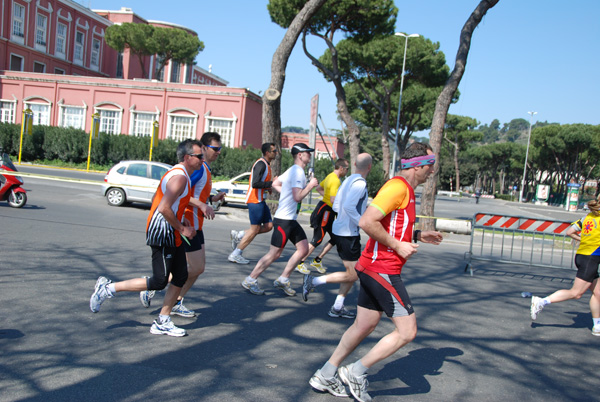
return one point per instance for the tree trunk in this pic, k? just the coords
(443, 104)
(271, 110)
(353, 130)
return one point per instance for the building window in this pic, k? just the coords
(158, 76)
(225, 127)
(120, 65)
(181, 127)
(59, 71)
(61, 40)
(18, 32)
(16, 62)
(175, 71)
(72, 116)
(41, 113)
(110, 121)
(95, 56)
(7, 111)
(78, 50)
(142, 124)
(40, 31)
(39, 67)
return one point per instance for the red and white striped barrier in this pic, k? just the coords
(521, 224)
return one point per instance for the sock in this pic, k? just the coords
(318, 280)
(283, 280)
(546, 301)
(328, 370)
(317, 259)
(359, 369)
(301, 262)
(163, 318)
(250, 279)
(111, 289)
(339, 302)
(596, 322)
(237, 251)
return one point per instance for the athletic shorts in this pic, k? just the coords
(322, 222)
(167, 260)
(284, 230)
(348, 247)
(196, 242)
(383, 292)
(259, 213)
(587, 267)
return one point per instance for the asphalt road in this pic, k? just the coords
(476, 341)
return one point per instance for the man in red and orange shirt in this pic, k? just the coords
(388, 221)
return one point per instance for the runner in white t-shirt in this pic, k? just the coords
(293, 188)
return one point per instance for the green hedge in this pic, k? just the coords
(70, 146)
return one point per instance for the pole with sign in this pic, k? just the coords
(153, 138)
(26, 127)
(93, 133)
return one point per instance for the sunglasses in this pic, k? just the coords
(274, 151)
(217, 149)
(199, 156)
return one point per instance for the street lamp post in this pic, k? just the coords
(393, 169)
(526, 156)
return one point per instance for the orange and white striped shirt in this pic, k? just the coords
(159, 232)
(200, 191)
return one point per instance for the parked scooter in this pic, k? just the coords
(10, 186)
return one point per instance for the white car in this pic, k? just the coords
(235, 189)
(136, 181)
(133, 181)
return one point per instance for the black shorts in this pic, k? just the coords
(196, 242)
(587, 267)
(322, 221)
(383, 292)
(167, 260)
(284, 230)
(348, 247)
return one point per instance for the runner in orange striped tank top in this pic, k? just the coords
(164, 230)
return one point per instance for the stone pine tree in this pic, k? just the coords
(459, 133)
(443, 104)
(145, 40)
(359, 19)
(271, 118)
(372, 72)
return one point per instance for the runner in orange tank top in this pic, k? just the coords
(164, 230)
(258, 210)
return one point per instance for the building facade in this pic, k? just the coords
(324, 146)
(54, 60)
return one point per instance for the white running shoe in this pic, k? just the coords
(238, 259)
(285, 286)
(596, 330)
(100, 294)
(332, 385)
(182, 310)
(146, 296)
(318, 266)
(166, 328)
(537, 304)
(252, 287)
(302, 269)
(234, 239)
(358, 385)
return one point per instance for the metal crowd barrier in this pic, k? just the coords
(520, 240)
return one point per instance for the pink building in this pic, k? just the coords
(54, 60)
(331, 146)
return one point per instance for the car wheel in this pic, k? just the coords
(115, 197)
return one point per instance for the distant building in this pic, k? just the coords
(57, 63)
(331, 146)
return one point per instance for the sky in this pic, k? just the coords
(526, 55)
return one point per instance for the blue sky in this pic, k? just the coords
(526, 55)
